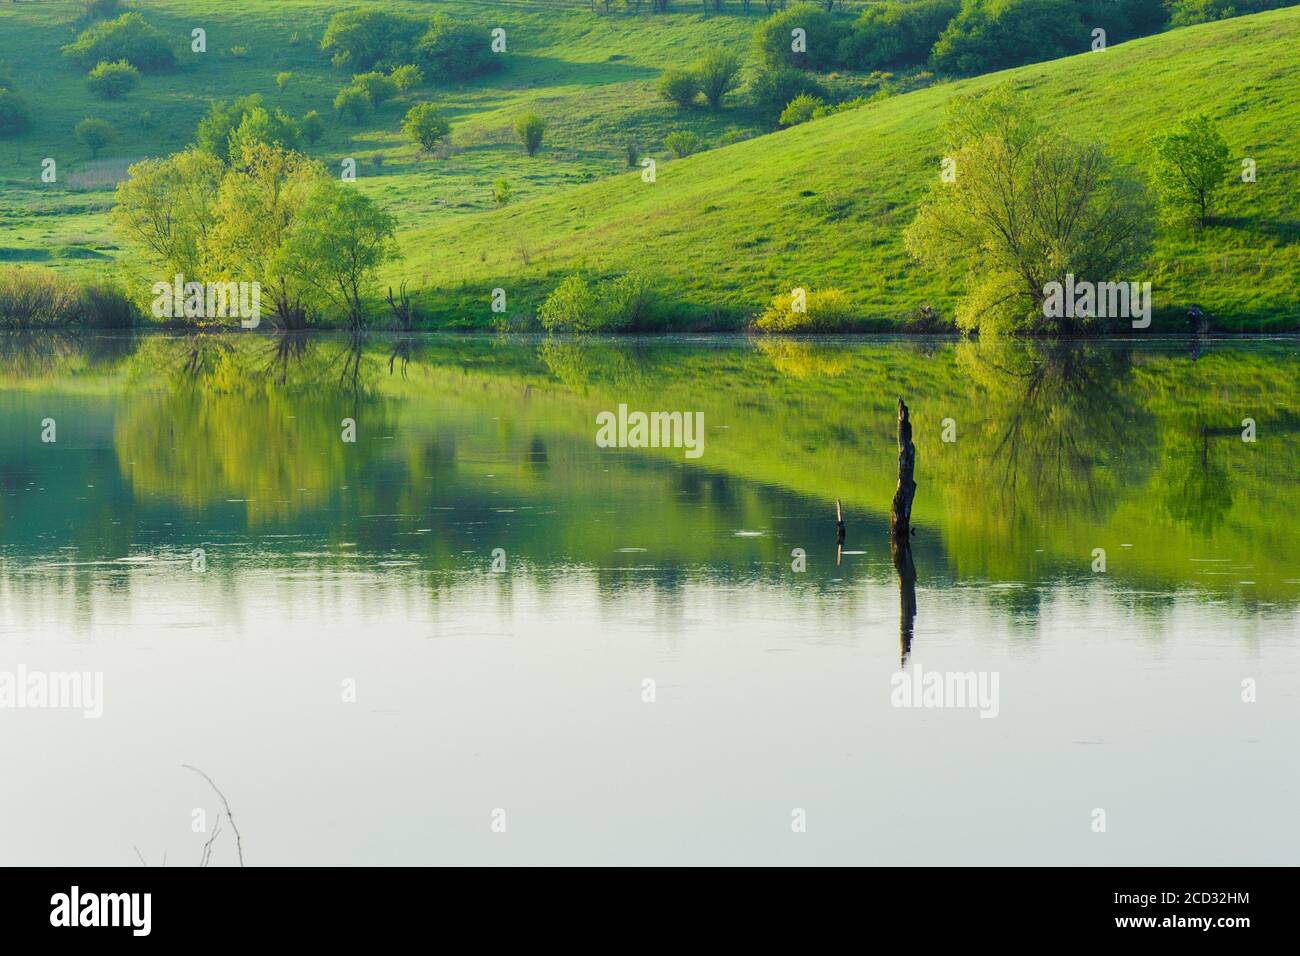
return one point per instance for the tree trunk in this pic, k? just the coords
(900, 523)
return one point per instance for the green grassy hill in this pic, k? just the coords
(821, 205)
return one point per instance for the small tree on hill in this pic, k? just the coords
(1192, 164)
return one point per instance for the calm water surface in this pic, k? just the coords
(333, 564)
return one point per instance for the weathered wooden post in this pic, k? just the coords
(900, 531)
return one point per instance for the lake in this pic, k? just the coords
(399, 603)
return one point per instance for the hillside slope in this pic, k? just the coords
(825, 204)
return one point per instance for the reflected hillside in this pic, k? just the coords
(464, 445)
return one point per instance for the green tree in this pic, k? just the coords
(94, 134)
(773, 41)
(164, 209)
(1025, 207)
(262, 126)
(530, 128)
(717, 73)
(426, 126)
(1191, 167)
(773, 89)
(453, 50)
(312, 127)
(800, 110)
(112, 81)
(679, 86)
(129, 37)
(282, 80)
(354, 103)
(337, 244)
(501, 192)
(683, 142)
(407, 77)
(15, 117)
(380, 86)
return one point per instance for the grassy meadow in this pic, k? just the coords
(822, 205)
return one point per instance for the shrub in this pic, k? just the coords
(683, 142)
(94, 134)
(363, 39)
(679, 86)
(33, 297)
(313, 128)
(354, 103)
(213, 133)
(426, 126)
(102, 9)
(262, 126)
(530, 128)
(407, 77)
(801, 109)
(238, 52)
(129, 37)
(282, 80)
(823, 33)
(773, 90)
(989, 35)
(113, 80)
(379, 86)
(896, 34)
(15, 117)
(625, 304)
(501, 192)
(456, 51)
(828, 310)
(716, 74)
(105, 306)
(633, 153)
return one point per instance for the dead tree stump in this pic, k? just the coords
(900, 522)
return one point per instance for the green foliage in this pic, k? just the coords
(823, 32)
(282, 80)
(896, 34)
(379, 86)
(337, 244)
(717, 73)
(426, 126)
(1192, 164)
(530, 128)
(801, 109)
(94, 134)
(130, 38)
(501, 192)
(1026, 208)
(35, 297)
(112, 81)
(227, 126)
(772, 90)
(453, 50)
(407, 77)
(680, 86)
(275, 128)
(354, 103)
(102, 9)
(164, 208)
(363, 39)
(312, 127)
(15, 117)
(625, 304)
(683, 142)
(823, 310)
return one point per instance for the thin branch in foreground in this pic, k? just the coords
(239, 845)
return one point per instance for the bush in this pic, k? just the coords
(312, 127)
(773, 90)
(379, 86)
(94, 134)
(33, 297)
(102, 9)
(407, 77)
(501, 192)
(896, 34)
(128, 38)
(989, 35)
(716, 74)
(105, 306)
(823, 33)
(426, 126)
(828, 310)
(354, 103)
(282, 80)
(625, 304)
(15, 117)
(113, 80)
(456, 51)
(679, 86)
(801, 109)
(363, 39)
(530, 128)
(683, 142)
(1186, 12)
(261, 126)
